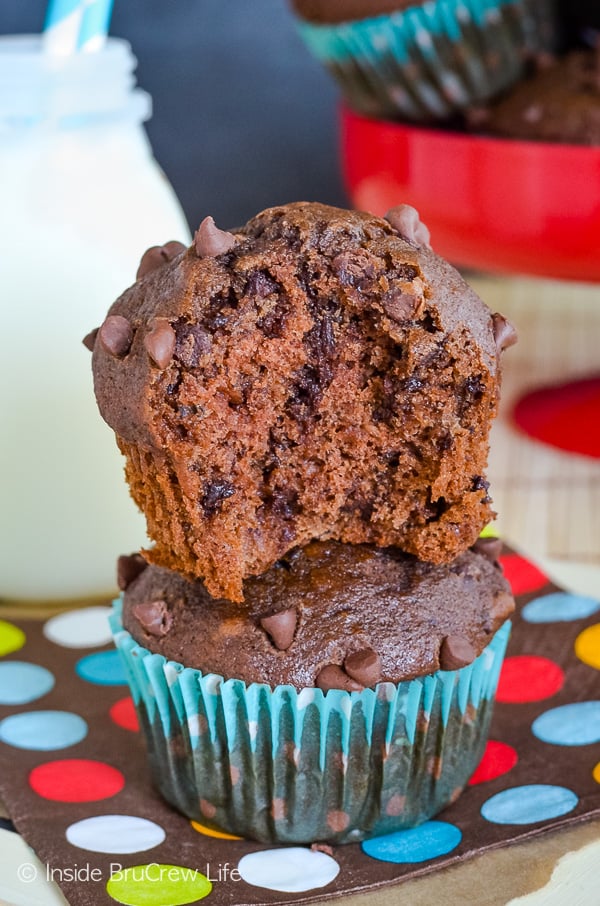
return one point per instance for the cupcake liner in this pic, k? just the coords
(435, 59)
(282, 765)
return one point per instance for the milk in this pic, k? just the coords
(81, 198)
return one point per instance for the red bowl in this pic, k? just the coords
(492, 204)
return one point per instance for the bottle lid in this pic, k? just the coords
(68, 92)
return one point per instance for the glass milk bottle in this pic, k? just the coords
(81, 198)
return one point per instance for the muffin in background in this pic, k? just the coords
(560, 103)
(425, 61)
(350, 695)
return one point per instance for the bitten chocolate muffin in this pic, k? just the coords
(319, 373)
(561, 103)
(331, 615)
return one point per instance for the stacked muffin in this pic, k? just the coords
(304, 406)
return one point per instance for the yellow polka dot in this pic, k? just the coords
(11, 638)
(209, 832)
(587, 646)
(596, 773)
(489, 531)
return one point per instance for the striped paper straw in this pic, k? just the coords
(94, 24)
(75, 25)
(61, 29)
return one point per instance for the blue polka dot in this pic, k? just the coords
(21, 683)
(529, 804)
(43, 731)
(560, 607)
(103, 668)
(569, 725)
(418, 844)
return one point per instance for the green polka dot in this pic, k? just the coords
(489, 531)
(158, 885)
(11, 638)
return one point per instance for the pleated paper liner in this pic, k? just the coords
(286, 766)
(75, 779)
(434, 59)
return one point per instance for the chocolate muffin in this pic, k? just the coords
(560, 103)
(315, 711)
(319, 373)
(425, 61)
(330, 615)
(324, 11)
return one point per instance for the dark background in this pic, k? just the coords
(244, 118)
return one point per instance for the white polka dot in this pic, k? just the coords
(115, 834)
(292, 870)
(87, 628)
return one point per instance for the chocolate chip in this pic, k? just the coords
(160, 343)
(489, 547)
(364, 667)
(407, 223)
(261, 284)
(215, 492)
(154, 617)
(533, 113)
(479, 483)
(399, 306)
(89, 341)
(333, 677)
(116, 335)
(129, 567)
(353, 268)
(158, 255)
(192, 342)
(456, 652)
(477, 116)
(280, 627)
(210, 241)
(505, 333)
(544, 60)
(321, 848)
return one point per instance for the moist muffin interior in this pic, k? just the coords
(326, 379)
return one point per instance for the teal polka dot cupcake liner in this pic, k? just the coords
(435, 59)
(299, 766)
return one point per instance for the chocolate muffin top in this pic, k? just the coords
(561, 103)
(330, 615)
(319, 373)
(334, 11)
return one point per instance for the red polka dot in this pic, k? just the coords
(123, 713)
(76, 780)
(528, 678)
(498, 759)
(563, 416)
(522, 575)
